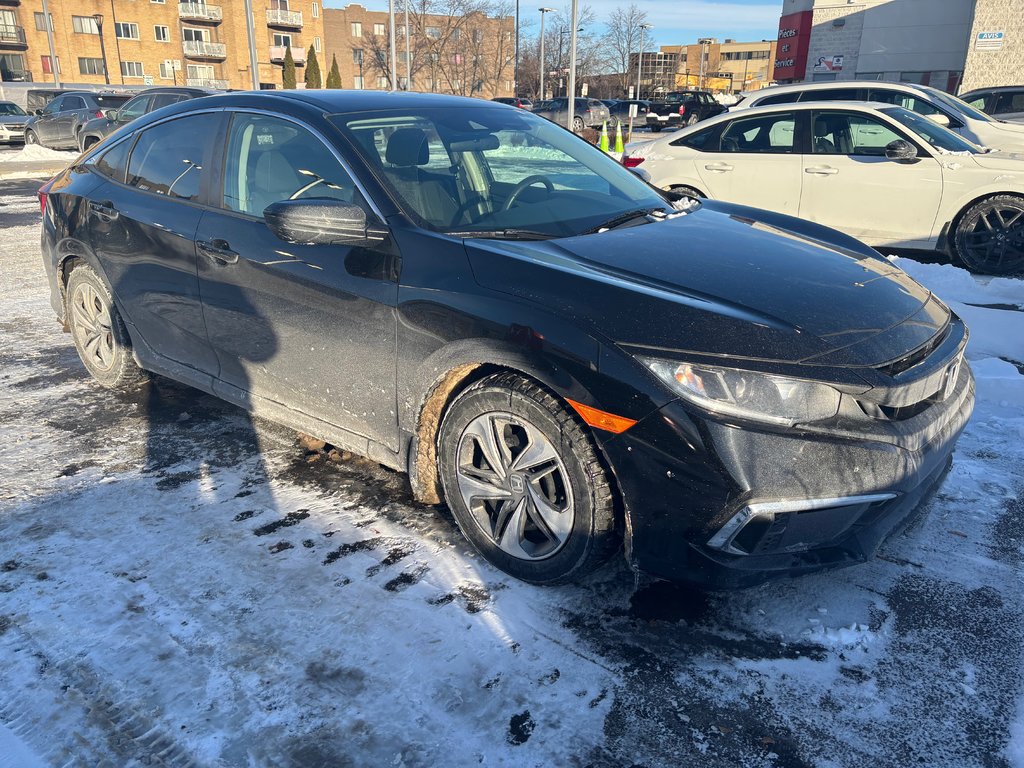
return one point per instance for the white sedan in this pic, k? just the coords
(879, 172)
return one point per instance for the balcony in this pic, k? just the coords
(207, 82)
(277, 54)
(277, 17)
(200, 49)
(10, 2)
(12, 37)
(199, 12)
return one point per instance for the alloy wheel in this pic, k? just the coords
(994, 241)
(91, 326)
(515, 485)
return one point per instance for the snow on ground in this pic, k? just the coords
(180, 584)
(36, 152)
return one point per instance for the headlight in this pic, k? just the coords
(753, 396)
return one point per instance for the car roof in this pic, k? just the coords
(830, 84)
(352, 100)
(745, 114)
(993, 89)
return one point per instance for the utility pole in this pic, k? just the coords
(254, 65)
(408, 57)
(640, 58)
(575, 20)
(98, 18)
(542, 12)
(394, 56)
(49, 40)
(515, 67)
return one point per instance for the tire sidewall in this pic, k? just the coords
(124, 370)
(574, 552)
(966, 224)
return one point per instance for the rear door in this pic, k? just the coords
(312, 327)
(849, 184)
(757, 162)
(143, 230)
(1009, 105)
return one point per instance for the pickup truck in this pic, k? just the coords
(681, 108)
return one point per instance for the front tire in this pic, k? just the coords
(31, 138)
(100, 336)
(524, 481)
(989, 236)
(656, 129)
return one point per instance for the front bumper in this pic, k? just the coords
(11, 133)
(725, 506)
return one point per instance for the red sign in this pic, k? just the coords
(794, 40)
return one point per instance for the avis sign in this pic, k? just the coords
(988, 41)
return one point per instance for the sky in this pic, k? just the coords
(675, 21)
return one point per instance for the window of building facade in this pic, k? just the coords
(161, 33)
(166, 71)
(357, 56)
(357, 29)
(126, 30)
(317, 45)
(433, 32)
(316, 10)
(282, 39)
(83, 25)
(378, 29)
(90, 66)
(40, 24)
(132, 69)
(357, 82)
(195, 35)
(48, 66)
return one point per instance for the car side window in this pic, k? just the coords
(54, 106)
(165, 99)
(168, 158)
(782, 98)
(270, 159)
(844, 133)
(830, 94)
(1009, 102)
(701, 140)
(978, 102)
(900, 99)
(114, 162)
(135, 108)
(72, 102)
(771, 134)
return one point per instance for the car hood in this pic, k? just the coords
(13, 119)
(724, 280)
(998, 160)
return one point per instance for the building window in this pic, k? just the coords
(126, 30)
(357, 29)
(316, 10)
(478, 35)
(200, 35)
(357, 57)
(456, 34)
(83, 25)
(433, 32)
(48, 67)
(378, 29)
(161, 33)
(918, 78)
(166, 70)
(87, 66)
(382, 82)
(41, 26)
(158, 2)
(132, 69)
(357, 83)
(200, 72)
(317, 45)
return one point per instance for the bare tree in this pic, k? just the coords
(622, 39)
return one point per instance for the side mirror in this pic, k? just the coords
(38, 112)
(939, 119)
(111, 114)
(900, 151)
(321, 222)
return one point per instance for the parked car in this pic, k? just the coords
(562, 353)
(99, 128)
(57, 125)
(619, 109)
(938, 106)
(1006, 103)
(515, 101)
(881, 173)
(12, 123)
(589, 113)
(682, 108)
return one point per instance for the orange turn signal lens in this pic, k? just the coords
(602, 419)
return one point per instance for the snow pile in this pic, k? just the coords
(31, 153)
(726, 99)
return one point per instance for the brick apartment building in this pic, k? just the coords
(728, 66)
(156, 42)
(472, 55)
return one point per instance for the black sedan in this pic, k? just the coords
(566, 356)
(148, 101)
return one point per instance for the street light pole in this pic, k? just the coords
(98, 18)
(250, 30)
(49, 40)
(640, 58)
(394, 56)
(515, 67)
(408, 57)
(575, 20)
(542, 12)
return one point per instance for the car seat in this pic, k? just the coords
(431, 195)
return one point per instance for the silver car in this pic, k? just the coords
(12, 123)
(589, 113)
(1004, 103)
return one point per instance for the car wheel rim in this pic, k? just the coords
(92, 328)
(577, 124)
(515, 486)
(995, 241)
(30, 138)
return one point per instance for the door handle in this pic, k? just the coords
(218, 251)
(718, 167)
(822, 170)
(104, 210)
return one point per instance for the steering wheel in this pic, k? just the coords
(519, 188)
(465, 208)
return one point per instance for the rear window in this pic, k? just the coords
(111, 102)
(114, 162)
(781, 98)
(168, 160)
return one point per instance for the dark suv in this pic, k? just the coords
(58, 124)
(680, 108)
(99, 128)
(568, 357)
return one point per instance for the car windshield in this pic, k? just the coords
(7, 108)
(938, 137)
(495, 171)
(959, 105)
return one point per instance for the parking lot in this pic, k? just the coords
(181, 584)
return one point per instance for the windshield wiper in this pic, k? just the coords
(622, 218)
(505, 234)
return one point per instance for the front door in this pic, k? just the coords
(311, 327)
(849, 184)
(45, 126)
(757, 163)
(144, 232)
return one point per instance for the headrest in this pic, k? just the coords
(407, 147)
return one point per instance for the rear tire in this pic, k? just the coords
(655, 129)
(989, 237)
(691, 120)
(100, 336)
(524, 481)
(577, 125)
